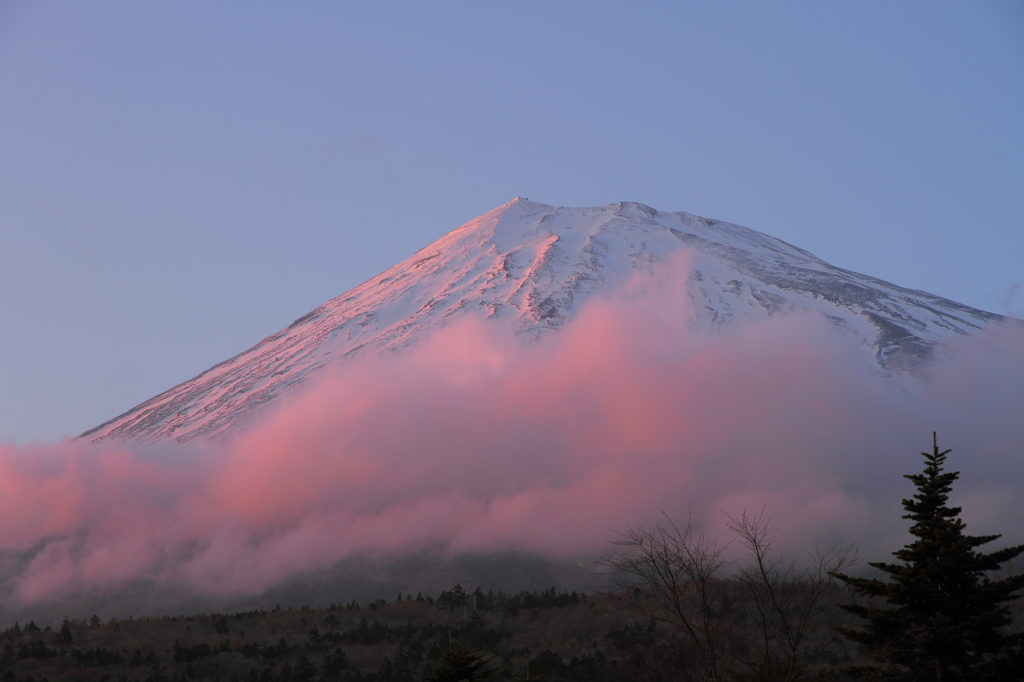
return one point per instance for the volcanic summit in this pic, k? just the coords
(530, 266)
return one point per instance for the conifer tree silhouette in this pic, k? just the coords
(64, 635)
(460, 663)
(944, 616)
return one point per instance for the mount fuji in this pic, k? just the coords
(530, 266)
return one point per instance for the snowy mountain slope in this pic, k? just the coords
(530, 266)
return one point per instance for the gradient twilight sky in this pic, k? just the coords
(179, 180)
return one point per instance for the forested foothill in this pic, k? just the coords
(547, 635)
(566, 636)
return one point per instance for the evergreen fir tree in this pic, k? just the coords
(944, 617)
(64, 635)
(459, 664)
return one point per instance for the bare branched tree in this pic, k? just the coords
(672, 576)
(790, 609)
(762, 620)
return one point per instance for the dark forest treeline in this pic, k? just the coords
(562, 636)
(532, 635)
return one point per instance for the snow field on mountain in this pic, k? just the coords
(529, 268)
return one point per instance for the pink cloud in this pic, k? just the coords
(475, 441)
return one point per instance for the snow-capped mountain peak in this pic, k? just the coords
(530, 266)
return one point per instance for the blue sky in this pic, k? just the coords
(179, 180)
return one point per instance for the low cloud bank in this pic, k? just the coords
(476, 442)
